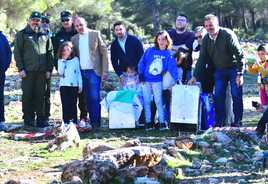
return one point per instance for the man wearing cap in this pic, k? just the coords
(66, 32)
(33, 53)
(5, 59)
(92, 52)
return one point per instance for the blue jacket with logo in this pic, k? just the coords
(154, 63)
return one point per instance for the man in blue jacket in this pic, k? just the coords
(5, 59)
(126, 49)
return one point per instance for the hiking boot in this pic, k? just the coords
(148, 126)
(3, 127)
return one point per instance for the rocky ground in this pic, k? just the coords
(216, 156)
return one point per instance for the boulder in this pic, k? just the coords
(101, 167)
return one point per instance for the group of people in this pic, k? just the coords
(79, 54)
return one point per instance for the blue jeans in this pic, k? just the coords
(155, 89)
(222, 77)
(91, 85)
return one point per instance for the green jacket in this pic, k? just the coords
(33, 51)
(223, 53)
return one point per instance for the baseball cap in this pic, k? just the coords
(35, 15)
(64, 15)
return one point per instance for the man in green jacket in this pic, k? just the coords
(221, 50)
(33, 53)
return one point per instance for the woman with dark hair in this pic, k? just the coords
(154, 63)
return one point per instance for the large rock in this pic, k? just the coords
(101, 167)
(137, 156)
(91, 171)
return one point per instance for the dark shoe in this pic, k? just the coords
(235, 124)
(42, 124)
(163, 126)
(29, 124)
(148, 126)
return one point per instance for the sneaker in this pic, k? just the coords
(82, 123)
(3, 126)
(163, 126)
(148, 126)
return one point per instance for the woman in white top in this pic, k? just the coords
(70, 81)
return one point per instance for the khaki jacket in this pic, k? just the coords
(98, 50)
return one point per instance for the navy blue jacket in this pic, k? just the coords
(5, 53)
(120, 59)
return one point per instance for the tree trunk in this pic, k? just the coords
(252, 13)
(245, 25)
(155, 16)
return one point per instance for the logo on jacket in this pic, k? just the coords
(156, 67)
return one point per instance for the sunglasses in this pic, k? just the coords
(65, 20)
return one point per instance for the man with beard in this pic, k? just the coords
(221, 48)
(126, 50)
(34, 56)
(93, 56)
(183, 41)
(66, 32)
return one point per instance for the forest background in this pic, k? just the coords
(248, 18)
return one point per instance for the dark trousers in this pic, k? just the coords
(167, 103)
(68, 97)
(33, 92)
(82, 104)
(262, 122)
(2, 83)
(47, 99)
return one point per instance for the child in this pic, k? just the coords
(70, 81)
(261, 67)
(130, 80)
(156, 61)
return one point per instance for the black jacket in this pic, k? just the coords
(120, 59)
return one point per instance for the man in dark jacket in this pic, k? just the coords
(66, 32)
(5, 59)
(126, 50)
(221, 47)
(33, 53)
